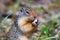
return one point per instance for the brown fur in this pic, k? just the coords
(27, 24)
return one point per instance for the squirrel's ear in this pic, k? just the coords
(15, 16)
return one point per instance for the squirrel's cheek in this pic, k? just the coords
(22, 21)
(27, 28)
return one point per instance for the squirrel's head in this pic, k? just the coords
(27, 20)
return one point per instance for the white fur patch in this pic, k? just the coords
(23, 38)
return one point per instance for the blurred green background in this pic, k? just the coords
(49, 16)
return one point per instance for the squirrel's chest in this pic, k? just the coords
(14, 34)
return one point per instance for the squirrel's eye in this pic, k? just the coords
(27, 13)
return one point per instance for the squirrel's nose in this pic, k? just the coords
(35, 21)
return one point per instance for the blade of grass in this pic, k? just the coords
(4, 20)
(50, 38)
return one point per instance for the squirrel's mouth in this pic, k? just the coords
(26, 24)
